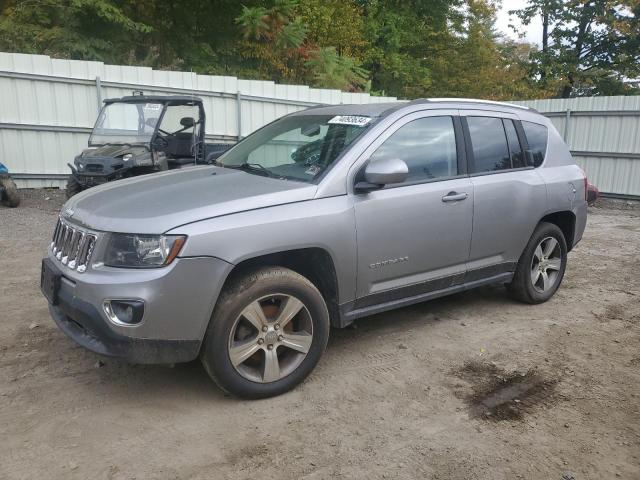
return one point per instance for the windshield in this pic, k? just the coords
(300, 147)
(125, 123)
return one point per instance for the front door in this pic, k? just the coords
(414, 237)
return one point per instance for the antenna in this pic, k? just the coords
(194, 140)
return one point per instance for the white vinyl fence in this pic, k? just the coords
(603, 134)
(48, 107)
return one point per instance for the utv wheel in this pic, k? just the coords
(267, 332)
(73, 187)
(541, 266)
(9, 192)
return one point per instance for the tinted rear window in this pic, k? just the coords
(490, 149)
(537, 139)
(515, 150)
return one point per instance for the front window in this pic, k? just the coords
(126, 123)
(428, 147)
(300, 148)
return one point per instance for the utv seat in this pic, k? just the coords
(179, 145)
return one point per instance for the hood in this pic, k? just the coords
(158, 202)
(112, 150)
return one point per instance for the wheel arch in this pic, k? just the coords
(566, 221)
(313, 263)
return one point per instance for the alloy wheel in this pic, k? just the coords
(270, 338)
(546, 264)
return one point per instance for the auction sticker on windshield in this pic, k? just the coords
(356, 120)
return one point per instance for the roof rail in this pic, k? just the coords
(475, 100)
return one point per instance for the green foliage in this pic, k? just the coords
(253, 22)
(589, 46)
(332, 70)
(405, 48)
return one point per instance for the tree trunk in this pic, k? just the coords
(545, 44)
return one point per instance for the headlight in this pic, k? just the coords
(127, 157)
(142, 251)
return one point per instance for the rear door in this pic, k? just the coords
(414, 237)
(509, 196)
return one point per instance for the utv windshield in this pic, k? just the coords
(300, 148)
(126, 123)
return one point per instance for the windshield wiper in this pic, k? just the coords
(252, 167)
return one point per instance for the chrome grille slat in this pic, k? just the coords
(72, 246)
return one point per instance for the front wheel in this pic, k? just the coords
(268, 331)
(541, 266)
(73, 187)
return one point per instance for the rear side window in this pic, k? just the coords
(428, 147)
(515, 150)
(537, 139)
(489, 144)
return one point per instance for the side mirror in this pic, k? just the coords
(379, 173)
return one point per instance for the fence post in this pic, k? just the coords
(239, 114)
(567, 120)
(99, 92)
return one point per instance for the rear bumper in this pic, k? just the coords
(581, 222)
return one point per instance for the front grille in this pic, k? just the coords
(72, 246)
(94, 167)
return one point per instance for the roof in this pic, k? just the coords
(367, 110)
(383, 109)
(155, 99)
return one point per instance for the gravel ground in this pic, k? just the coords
(474, 386)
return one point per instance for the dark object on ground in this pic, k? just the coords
(9, 195)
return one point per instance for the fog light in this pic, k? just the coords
(124, 312)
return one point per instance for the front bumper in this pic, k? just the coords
(81, 322)
(179, 300)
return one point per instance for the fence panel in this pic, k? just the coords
(48, 107)
(603, 134)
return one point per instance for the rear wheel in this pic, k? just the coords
(9, 196)
(541, 266)
(73, 186)
(268, 331)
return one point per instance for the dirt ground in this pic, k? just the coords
(474, 386)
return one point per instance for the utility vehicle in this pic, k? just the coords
(142, 134)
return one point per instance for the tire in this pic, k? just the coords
(10, 196)
(529, 283)
(236, 330)
(73, 187)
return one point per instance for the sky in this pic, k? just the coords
(533, 31)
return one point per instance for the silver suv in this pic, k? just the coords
(317, 219)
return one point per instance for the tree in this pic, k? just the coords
(286, 42)
(405, 37)
(587, 46)
(82, 29)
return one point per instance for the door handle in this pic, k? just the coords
(454, 197)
